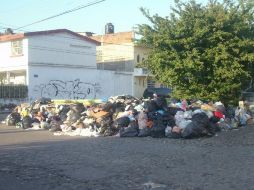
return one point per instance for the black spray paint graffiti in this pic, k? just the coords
(68, 89)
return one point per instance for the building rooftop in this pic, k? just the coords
(10, 37)
(115, 38)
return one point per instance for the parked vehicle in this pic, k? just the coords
(161, 92)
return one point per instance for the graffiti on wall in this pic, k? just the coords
(75, 89)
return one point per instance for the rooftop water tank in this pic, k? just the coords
(109, 28)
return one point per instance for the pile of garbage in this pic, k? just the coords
(127, 116)
(7, 107)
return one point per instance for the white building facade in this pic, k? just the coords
(58, 64)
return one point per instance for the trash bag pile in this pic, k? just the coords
(7, 107)
(127, 116)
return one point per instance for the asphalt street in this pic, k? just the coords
(39, 160)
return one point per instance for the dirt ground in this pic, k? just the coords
(38, 160)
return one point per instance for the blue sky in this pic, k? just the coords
(124, 14)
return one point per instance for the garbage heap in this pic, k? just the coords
(127, 116)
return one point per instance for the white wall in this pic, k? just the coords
(123, 82)
(139, 86)
(61, 49)
(76, 83)
(9, 62)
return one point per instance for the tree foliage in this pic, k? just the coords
(202, 51)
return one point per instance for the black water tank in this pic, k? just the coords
(9, 31)
(109, 28)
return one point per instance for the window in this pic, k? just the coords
(150, 83)
(16, 48)
(138, 58)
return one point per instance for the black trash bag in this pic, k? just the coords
(194, 108)
(173, 110)
(213, 128)
(171, 134)
(110, 132)
(108, 107)
(12, 119)
(230, 112)
(26, 122)
(121, 122)
(55, 123)
(158, 129)
(174, 135)
(78, 108)
(198, 127)
(44, 100)
(64, 109)
(144, 132)
(161, 103)
(104, 123)
(154, 116)
(35, 120)
(169, 120)
(193, 130)
(119, 107)
(134, 112)
(151, 106)
(130, 131)
(130, 97)
(214, 119)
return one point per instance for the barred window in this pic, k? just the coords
(16, 47)
(150, 83)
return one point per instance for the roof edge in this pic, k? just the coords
(46, 32)
(11, 37)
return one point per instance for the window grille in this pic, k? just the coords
(16, 48)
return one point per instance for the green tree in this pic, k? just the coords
(202, 51)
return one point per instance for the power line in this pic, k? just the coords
(65, 37)
(63, 13)
(80, 40)
(60, 36)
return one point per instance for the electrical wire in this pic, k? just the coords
(74, 38)
(57, 50)
(62, 13)
(103, 55)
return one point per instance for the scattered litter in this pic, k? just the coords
(127, 116)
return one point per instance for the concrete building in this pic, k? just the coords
(119, 52)
(59, 64)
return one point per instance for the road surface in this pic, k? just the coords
(38, 160)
